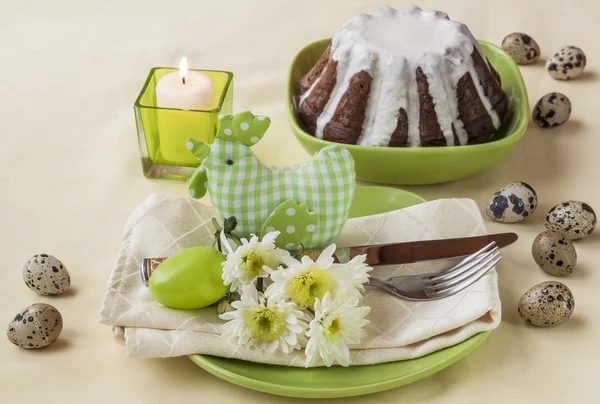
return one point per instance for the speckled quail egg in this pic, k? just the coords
(554, 253)
(512, 203)
(546, 304)
(574, 219)
(521, 47)
(567, 63)
(36, 326)
(46, 275)
(553, 109)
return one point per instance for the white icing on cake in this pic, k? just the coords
(411, 37)
(390, 45)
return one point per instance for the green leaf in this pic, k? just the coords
(229, 224)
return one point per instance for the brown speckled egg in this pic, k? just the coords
(554, 253)
(36, 326)
(574, 219)
(553, 109)
(546, 304)
(46, 275)
(512, 203)
(567, 63)
(521, 47)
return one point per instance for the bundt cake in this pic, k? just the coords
(403, 77)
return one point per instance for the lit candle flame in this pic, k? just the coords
(183, 69)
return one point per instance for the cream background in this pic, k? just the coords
(70, 177)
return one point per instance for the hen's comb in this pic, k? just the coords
(245, 128)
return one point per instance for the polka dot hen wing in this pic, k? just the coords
(294, 222)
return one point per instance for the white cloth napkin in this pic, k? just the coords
(399, 329)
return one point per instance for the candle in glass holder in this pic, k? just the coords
(187, 93)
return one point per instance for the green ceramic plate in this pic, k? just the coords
(338, 381)
(422, 165)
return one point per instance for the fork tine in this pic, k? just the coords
(466, 274)
(457, 273)
(442, 293)
(462, 262)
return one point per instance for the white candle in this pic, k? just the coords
(185, 90)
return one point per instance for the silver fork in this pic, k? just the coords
(443, 283)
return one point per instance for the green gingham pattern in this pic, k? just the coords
(241, 186)
(250, 190)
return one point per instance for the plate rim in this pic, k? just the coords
(392, 189)
(206, 361)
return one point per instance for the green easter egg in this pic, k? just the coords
(190, 279)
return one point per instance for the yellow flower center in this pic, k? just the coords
(253, 264)
(308, 285)
(265, 323)
(335, 326)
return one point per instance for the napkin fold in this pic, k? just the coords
(162, 225)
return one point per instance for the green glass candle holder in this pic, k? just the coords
(162, 132)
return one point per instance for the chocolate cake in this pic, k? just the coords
(399, 78)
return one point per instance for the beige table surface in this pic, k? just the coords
(69, 176)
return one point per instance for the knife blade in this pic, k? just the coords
(428, 250)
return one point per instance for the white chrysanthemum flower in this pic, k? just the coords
(359, 271)
(248, 261)
(305, 281)
(337, 324)
(265, 324)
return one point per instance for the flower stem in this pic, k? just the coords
(234, 237)
(259, 285)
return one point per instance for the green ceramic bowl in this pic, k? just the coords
(422, 165)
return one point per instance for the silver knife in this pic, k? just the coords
(396, 253)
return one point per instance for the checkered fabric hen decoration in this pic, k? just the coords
(308, 203)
